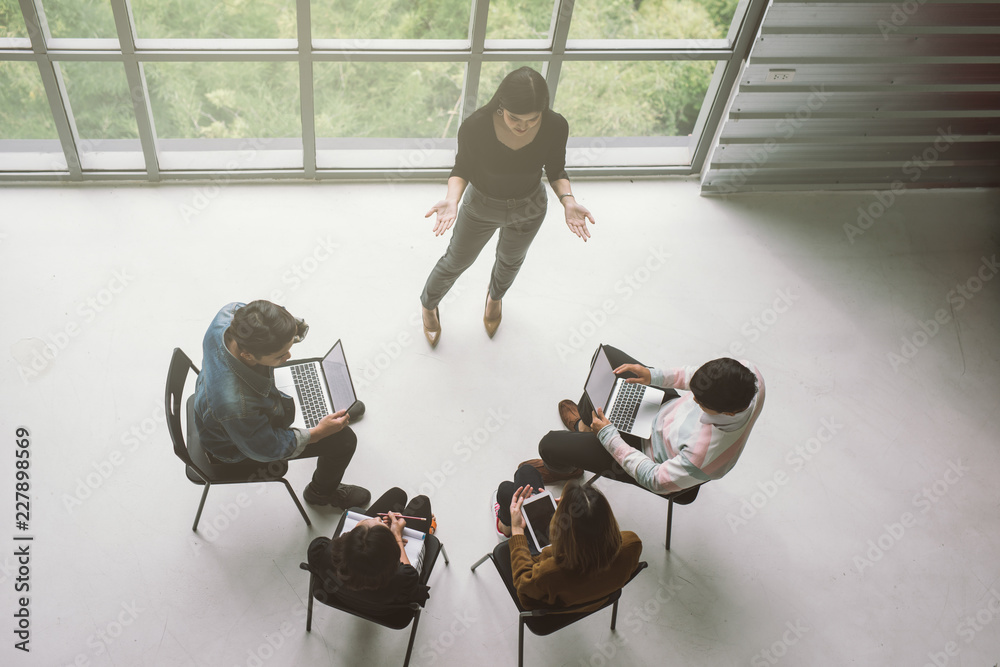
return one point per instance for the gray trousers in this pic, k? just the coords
(478, 218)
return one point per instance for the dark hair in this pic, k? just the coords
(724, 385)
(522, 91)
(365, 558)
(584, 532)
(261, 328)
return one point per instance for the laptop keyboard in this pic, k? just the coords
(626, 405)
(309, 386)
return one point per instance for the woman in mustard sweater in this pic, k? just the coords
(589, 557)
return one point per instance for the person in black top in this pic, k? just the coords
(367, 566)
(502, 148)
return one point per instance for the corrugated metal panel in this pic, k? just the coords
(904, 93)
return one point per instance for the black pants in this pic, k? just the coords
(526, 475)
(566, 450)
(333, 454)
(394, 500)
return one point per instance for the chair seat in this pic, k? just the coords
(225, 473)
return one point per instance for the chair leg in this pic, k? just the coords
(670, 516)
(520, 642)
(477, 563)
(413, 635)
(614, 614)
(593, 479)
(309, 608)
(201, 506)
(445, 554)
(296, 499)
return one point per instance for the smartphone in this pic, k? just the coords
(538, 511)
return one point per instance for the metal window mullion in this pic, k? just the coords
(307, 104)
(561, 17)
(741, 49)
(55, 91)
(473, 72)
(136, 79)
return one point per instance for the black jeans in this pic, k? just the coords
(566, 450)
(333, 454)
(526, 475)
(394, 500)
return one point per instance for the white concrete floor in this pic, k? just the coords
(860, 526)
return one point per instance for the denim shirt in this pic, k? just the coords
(239, 412)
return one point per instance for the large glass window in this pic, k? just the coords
(652, 19)
(233, 108)
(380, 88)
(11, 23)
(82, 19)
(390, 19)
(105, 119)
(28, 137)
(214, 19)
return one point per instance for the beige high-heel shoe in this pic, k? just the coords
(492, 325)
(432, 335)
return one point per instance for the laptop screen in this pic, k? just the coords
(601, 381)
(338, 378)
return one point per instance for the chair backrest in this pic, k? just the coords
(395, 616)
(177, 374)
(546, 621)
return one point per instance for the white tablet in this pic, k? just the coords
(538, 511)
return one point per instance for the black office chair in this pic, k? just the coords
(543, 622)
(685, 497)
(201, 470)
(395, 617)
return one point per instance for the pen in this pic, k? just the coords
(417, 518)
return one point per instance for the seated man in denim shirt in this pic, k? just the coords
(241, 415)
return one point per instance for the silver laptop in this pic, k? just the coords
(319, 387)
(631, 407)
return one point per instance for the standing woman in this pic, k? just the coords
(502, 148)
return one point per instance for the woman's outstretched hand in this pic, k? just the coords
(446, 211)
(516, 518)
(577, 216)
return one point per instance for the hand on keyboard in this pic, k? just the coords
(642, 373)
